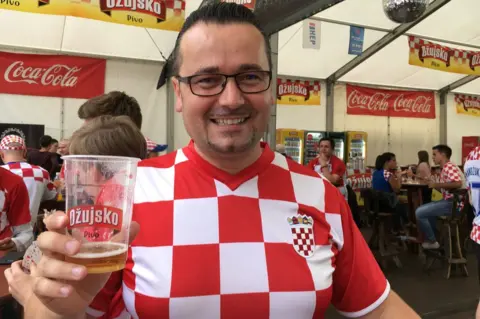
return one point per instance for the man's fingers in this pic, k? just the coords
(54, 243)
(5, 241)
(17, 267)
(56, 222)
(46, 288)
(60, 270)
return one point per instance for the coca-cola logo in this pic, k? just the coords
(56, 75)
(382, 101)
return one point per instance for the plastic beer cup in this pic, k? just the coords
(99, 202)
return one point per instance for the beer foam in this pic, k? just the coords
(87, 255)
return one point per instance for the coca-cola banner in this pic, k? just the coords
(378, 102)
(432, 55)
(51, 75)
(297, 92)
(467, 104)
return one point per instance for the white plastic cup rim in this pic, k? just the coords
(101, 158)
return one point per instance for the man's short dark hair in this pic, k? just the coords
(329, 139)
(218, 13)
(114, 103)
(444, 149)
(46, 141)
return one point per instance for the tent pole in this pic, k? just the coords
(270, 135)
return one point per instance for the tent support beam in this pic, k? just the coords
(270, 136)
(329, 121)
(386, 40)
(458, 83)
(170, 127)
(443, 117)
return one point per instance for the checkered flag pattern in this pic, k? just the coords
(7, 141)
(474, 154)
(313, 86)
(450, 173)
(178, 6)
(212, 241)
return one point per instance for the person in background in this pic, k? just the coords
(389, 184)
(54, 146)
(43, 157)
(423, 174)
(245, 198)
(36, 179)
(154, 149)
(329, 165)
(451, 177)
(16, 232)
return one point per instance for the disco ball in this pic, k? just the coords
(404, 11)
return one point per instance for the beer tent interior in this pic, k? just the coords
(135, 57)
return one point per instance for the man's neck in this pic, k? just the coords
(443, 162)
(14, 159)
(43, 149)
(231, 164)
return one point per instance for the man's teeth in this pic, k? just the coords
(229, 121)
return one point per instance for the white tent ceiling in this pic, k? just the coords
(454, 25)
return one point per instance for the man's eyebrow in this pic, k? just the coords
(250, 67)
(207, 70)
(242, 68)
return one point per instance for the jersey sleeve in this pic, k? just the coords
(340, 168)
(18, 212)
(359, 285)
(108, 299)
(312, 164)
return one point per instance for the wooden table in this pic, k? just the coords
(414, 195)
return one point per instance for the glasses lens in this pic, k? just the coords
(207, 84)
(253, 82)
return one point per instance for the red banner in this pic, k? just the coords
(51, 75)
(379, 102)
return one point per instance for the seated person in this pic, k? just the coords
(389, 184)
(423, 175)
(451, 177)
(15, 230)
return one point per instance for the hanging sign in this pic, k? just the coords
(296, 92)
(247, 3)
(380, 102)
(155, 14)
(357, 35)
(52, 75)
(467, 104)
(311, 34)
(434, 56)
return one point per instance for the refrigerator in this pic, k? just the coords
(356, 150)
(293, 141)
(311, 138)
(468, 144)
(340, 142)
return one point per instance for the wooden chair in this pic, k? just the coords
(380, 241)
(452, 236)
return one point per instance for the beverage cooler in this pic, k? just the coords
(293, 141)
(468, 144)
(356, 150)
(311, 138)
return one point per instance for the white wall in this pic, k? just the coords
(303, 117)
(407, 135)
(136, 78)
(459, 125)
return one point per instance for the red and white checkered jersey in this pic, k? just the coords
(451, 173)
(472, 175)
(37, 180)
(14, 210)
(273, 241)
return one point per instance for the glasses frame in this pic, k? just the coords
(188, 80)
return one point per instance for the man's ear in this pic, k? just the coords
(178, 95)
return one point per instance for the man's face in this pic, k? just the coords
(212, 121)
(437, 157)
(53, 148)
(325, 148)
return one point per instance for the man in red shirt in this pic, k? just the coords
(228, 228)
(328, 165)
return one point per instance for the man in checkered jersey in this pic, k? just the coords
(451, 177)
(40, 188)
(228, 228)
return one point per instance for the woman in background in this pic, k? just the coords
(423, 174)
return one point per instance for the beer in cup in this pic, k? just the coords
(99, 200)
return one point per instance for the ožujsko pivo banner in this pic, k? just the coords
(246, 3)
(438, 57)
(155, 14)
(467, 104)
(395, 103)
(296, 92)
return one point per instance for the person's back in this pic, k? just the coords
(380, 181)
(43, 157)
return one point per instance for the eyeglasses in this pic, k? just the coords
(214, 83)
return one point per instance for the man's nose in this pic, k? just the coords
(231, 95)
